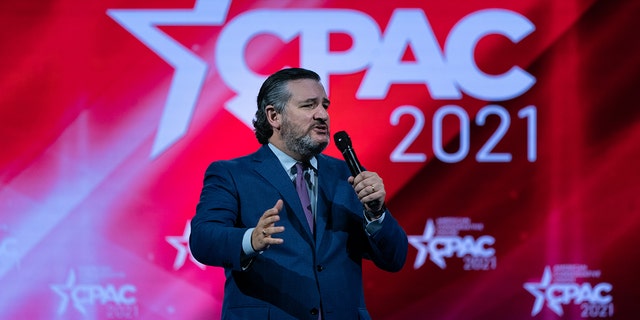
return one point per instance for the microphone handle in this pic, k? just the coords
(355, 168)
(352, 161)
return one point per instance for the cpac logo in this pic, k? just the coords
(86, 295)
(440, 247)
(447, 72)
(558, 294)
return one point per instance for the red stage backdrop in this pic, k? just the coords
(507, 132)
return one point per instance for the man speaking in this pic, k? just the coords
(290, 225)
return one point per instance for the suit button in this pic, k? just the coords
(314, 312)
(320, 268)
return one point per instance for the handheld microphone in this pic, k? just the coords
(343, 142)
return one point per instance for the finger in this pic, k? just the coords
(266, 240)
(269, 218)
(358, 178)
(271, 212)
(270, 241)
(379, 195)
(360, 186)
(373, 185)
(373, 196)
(268, 232)
(365, 175)
(268, 221)
(278, 205)
(366, 188)
(366, 179)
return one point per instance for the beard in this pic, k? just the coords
(300, 142)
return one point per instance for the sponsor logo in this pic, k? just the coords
(114, 299)
(444, 239)
(560, 286)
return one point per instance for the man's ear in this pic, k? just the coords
(273, 116)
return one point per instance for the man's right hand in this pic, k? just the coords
(261, 237)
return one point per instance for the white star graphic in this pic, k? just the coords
(538, 291)
(421, 244)
(63, 291)
(190, 70)
(181, 243)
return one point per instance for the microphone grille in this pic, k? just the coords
(342, 140)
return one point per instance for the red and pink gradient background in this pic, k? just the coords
(82, 203)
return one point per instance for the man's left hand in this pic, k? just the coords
(369, 187)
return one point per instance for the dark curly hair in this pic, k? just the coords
(274, 92)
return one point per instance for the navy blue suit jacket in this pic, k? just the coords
(304, 274)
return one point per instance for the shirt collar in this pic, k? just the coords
(287, 161)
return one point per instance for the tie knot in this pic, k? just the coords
(302, 172)
(301, 166)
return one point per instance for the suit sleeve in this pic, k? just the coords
(388, 245)
(216, 236)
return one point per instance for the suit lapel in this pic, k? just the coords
(268, 166)
(326, 189)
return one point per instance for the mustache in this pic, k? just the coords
(320, 123)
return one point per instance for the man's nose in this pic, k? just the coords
(321, 113)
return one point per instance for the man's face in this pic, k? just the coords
(305, 121)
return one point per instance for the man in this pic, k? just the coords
(283, 259)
